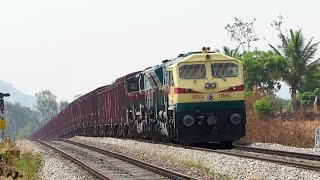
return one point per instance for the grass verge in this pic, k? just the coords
(200, 166)
(27, 164)
(291, 132)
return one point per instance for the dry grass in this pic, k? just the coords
(293, 130)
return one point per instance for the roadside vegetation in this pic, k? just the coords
(27, 165)
(290, 132)
(271, 119)
(22, 121)
(18, 164)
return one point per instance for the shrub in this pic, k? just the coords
(307, 98)
(263, 106)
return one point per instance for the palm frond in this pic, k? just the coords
(309, 51)
(314, 66)
(275, 50)
(306, 49)
(237, 49)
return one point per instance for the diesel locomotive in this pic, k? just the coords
(196, 97)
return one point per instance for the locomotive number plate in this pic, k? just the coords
(197, 96)
(224, 95)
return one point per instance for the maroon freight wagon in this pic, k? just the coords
(100, 112)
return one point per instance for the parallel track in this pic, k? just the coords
(312, 157)
(299, 160)
(274, 157)
(154, 169)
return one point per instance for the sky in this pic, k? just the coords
(71, 47)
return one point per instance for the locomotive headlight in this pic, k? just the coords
(207, 85)
(235, 118)
(188, 120)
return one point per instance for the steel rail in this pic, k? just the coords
(303, 165)
(144, 165)
(302, 156)
(88, 168)
(306, 156)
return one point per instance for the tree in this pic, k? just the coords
(47, 106)
(63, 105)
(310, 83)
(297, 56)
(18, 117)
(243, 33)
(27, 130)
(307, 98)
(231, 52)
(260, 69)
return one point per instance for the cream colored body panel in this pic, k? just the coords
(197, 85)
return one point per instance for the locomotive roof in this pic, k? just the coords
(190, 57)
(123, 78)
(200, 57)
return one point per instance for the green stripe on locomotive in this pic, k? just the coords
(210, 106)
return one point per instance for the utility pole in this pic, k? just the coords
(2, 121)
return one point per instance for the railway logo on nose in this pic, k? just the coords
(210, 97)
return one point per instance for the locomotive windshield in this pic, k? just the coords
(192, 71)
(224, 70)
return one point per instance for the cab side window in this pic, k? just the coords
(133, 86)
(171, 82)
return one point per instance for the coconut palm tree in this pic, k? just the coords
(231, 52)
(298, 57)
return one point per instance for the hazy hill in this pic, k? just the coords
(16, 95)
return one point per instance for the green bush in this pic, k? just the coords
(248, 92)
(306, 98)
(263, 106)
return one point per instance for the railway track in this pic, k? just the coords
(299, 160)
(273, 156)
(305, 156)
(109, 165)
